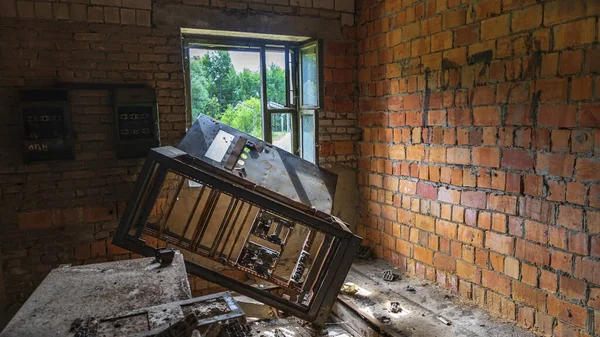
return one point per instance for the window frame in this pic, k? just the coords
(293, 78)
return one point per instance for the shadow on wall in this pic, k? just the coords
(345, 202)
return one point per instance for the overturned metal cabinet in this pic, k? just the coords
(246, 215)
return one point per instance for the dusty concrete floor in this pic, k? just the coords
(422, 307)
(97, 290)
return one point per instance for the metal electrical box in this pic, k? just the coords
(137, 121)
(237, 206)
(46, 125)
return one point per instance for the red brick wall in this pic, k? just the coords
(479, 164)
(66, 211)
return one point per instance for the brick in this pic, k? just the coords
(468, 271)
(535, 231)
(529, 274)
(581, 88)
(475, 199)
(560, 140)
(595, 246)
(570, 217)
(137, 4)
(589, 115)
(425, 190)
(127, 16)
(532, 253)
(587, 169)
(431, 26)
(142, 18)
(35, 220)
(502, 203)
(511, 267)
(570, 62)
(517, 159)
(526, 19)
(95, 14)
(61, 11)
(497, 262)
(98, 249)
(8, 9)
(486, 116)
(454, 19)
(591, 57)
(555, 164)
(445, 263)
(495, 27)
(561, 261)
(581, 141)
(423, 254)
(594, 300)
(470, 235)
(116, 250)
(578, 243)
(458, 156)
(513, 182)
(466, 35)
(500, 243)
(544, 323)
(559, 11)
(552, 90)
(78, 12)
(564, 330)
(421, 46)
(441, 41)
(549, 64)
(557, 116)
(496, 282)
(571, 288)
(70, 216)
(111, 15)
(407, 187)
(43, 10)
(530, 296)
(25, 9)
(485, 156)
(83, 252)
(548, 281)
(448, 195)
(593, 221)
(576, 192)
(425, 222)
(525, 317)
(574, 33)
(556, 190)
(99, 213)
(567, 311)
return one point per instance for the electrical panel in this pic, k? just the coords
(221, 213)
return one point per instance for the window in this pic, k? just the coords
(267, 88)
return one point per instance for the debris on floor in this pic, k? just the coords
(390, 276)
(349, 288)
(443, 320)
(364, 253)
(395, 307)
(411, 307)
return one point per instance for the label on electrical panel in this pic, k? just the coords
(217, 150)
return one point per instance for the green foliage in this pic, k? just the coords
(275, 84)
(245, 116)
(234, 97)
